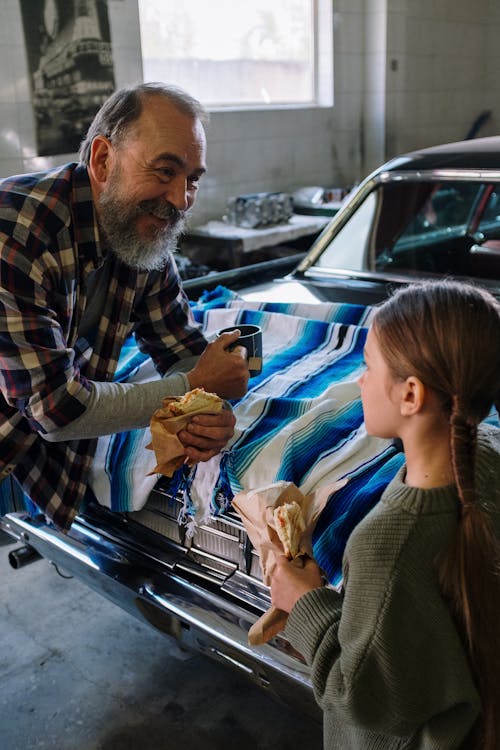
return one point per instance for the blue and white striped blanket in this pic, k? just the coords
(301, 421)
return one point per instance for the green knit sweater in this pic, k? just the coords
(387, 665)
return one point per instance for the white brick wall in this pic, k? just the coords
(447, 59)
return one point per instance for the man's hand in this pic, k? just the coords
(289, 582)
(220, 370)
(207, 434)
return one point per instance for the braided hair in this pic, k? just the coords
(447, 334)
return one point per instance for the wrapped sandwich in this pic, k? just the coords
(198, 400)
(280, 519)
(290, 526)
(170, 419)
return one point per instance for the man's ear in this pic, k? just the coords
(412, 396)
(100, 159)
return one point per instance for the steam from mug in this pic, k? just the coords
(251, 339)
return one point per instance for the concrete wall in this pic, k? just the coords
(407, 73)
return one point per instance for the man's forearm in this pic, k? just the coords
(117, 407)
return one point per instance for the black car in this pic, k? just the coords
(428, 214)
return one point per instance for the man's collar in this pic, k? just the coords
(85, 226)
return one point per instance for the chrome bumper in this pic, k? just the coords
(156, 581)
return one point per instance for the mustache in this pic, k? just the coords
(162, 209)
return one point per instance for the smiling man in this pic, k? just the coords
(85, 261)
(144, 183)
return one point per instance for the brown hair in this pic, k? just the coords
(447, 334)
(125, 106)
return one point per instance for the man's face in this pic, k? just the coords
(151, 181)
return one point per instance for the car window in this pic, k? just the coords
(348, 248)
(489, 220)
(447, 209)
(420, 226)
(434, 238)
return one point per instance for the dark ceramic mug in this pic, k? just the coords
(251, 339)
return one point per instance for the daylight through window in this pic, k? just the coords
(234, 54)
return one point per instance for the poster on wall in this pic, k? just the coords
(71, 70)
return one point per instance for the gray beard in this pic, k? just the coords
(117, 223)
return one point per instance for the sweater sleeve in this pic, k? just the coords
(117, 407)
(385, 655)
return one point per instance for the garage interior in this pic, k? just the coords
(77, 672)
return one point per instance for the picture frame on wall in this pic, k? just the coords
(71, 68)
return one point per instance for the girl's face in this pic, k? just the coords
(379, 393)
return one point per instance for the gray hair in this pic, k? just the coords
(125, 106)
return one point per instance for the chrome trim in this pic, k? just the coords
(8, 528)
(227, 628)
(36, 534)
(449, 175)
(222, 539)
(200, 571)
(219, 543)
(232, 661)
(255, 565)
(161, 523)
(370, 276)
(248, 589)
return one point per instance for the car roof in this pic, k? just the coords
(478, 153)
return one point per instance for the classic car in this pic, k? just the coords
(174, 552)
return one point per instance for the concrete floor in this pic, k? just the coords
(78, 673)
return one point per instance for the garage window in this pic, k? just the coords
(231, 54)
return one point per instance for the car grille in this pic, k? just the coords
(221, 544)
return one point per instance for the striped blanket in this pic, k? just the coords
(301, 421)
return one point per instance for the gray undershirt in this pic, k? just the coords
(117, 407)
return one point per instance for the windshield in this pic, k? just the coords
(445, 227)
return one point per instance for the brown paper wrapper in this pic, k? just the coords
(256, 508)
(169, 451)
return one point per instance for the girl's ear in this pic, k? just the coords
(99, 161)
(412, 396)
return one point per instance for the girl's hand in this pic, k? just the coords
(289, 582)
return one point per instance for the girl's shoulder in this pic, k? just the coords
(489, 435)
(384, 529)
(404, 515)
(488, 447)
(487, 464)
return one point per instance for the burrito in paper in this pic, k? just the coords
(170, 419)
(279, 519)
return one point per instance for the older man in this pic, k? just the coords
(85, 260)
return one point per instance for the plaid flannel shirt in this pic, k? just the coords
(49, 244)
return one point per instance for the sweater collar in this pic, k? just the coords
(415, 500)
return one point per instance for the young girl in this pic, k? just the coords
(408, 654)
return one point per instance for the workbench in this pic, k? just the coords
(222, 246)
